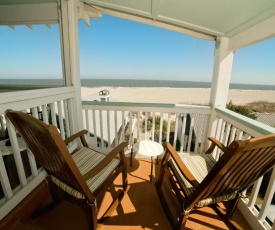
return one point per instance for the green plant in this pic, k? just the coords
(157, 125)
(241, 109)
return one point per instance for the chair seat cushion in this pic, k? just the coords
(86, 159)
(199, 165)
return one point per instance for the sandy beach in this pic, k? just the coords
(178, 95)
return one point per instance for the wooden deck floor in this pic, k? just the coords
(139, 209)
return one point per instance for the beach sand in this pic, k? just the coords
(179, 95)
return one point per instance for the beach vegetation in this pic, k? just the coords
(262, 106)
(241, 109)
(150, 122)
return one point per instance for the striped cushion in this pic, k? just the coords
(199, 166)
(68, 189)
(86, 159)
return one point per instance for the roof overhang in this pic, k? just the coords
(40, 12)
(243, 22)
(203, 19)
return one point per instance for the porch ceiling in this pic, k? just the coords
(204, 19)
(211, 17)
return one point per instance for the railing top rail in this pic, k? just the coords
(136, 105)
(248, 125)
(20, 100)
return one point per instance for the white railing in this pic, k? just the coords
(49, 105)
(109, 123)
(230, 126)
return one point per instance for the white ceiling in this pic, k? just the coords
(212, 17)
(206, 19)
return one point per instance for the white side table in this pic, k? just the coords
(149, 149)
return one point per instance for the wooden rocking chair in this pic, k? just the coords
(199, 180)
(85, 174)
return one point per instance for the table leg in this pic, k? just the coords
(131, 162)
(151, 169)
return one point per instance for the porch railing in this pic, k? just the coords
(256, 207)
(49, 105)
(184, 126)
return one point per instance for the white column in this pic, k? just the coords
(220, 80)
(68, 21)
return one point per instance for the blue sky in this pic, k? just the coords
(113, 48)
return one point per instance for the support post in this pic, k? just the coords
(68, 21)
(220, 80)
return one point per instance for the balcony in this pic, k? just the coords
(185, 126)
(108, 124)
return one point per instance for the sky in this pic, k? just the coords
(114, 48)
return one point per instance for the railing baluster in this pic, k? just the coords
(183, 135)
(116, 134)
(145, 129)
(87, 120)
(45, 114)
(204, 133)
(268, 197)
(5, 183)
(16, 153)
(218, 136)
(254, 193)
(34, 112)
(60, 119)
(199, 132)
(232, 134)
(66, 119)
(32, 162)
(153, 130)
(138, 125)
(108, 129)
(190, 134)
(101, 129)
(123, 126)
(130, 128)
(161, 127)
(95, 129)
(53, 114)
(168, 127)
(176, 131)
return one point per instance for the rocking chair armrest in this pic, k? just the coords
(80, 135)
(182, 167)
(117, 150)
(214, 143)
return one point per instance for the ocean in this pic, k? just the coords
(95, 83)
